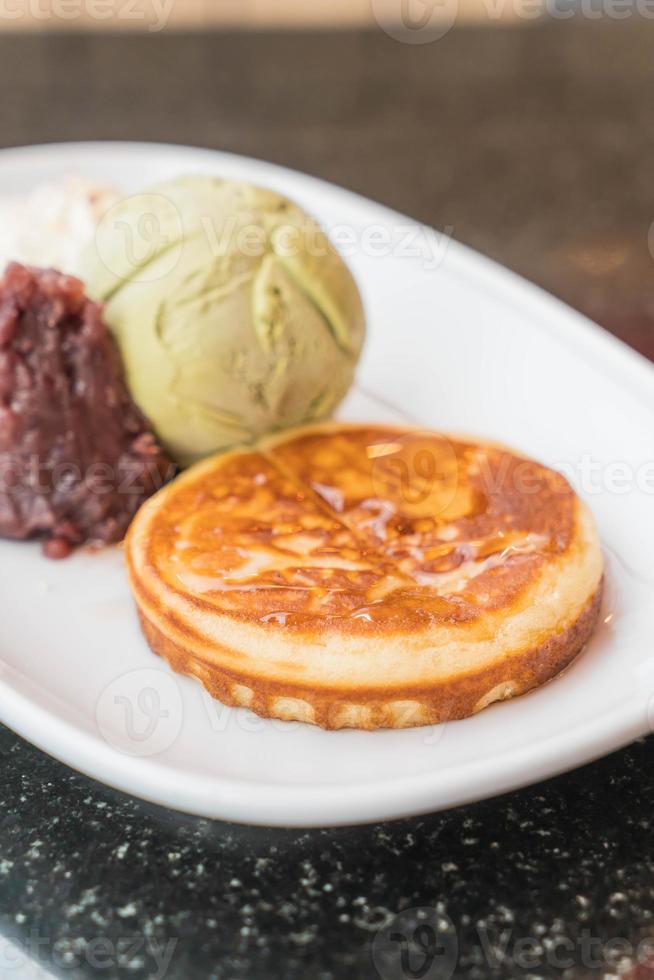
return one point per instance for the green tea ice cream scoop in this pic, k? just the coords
(234, 314)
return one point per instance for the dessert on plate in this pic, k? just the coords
(234, 314)
(366, 576)
(229, 315)
(77, 457)
(51, 227)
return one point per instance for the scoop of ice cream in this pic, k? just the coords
(52, 225)
(234, 314)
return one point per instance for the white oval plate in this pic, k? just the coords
(455, 342)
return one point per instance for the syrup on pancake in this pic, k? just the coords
(363, 526)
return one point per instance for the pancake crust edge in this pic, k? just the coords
(426, 656)
(375, 709)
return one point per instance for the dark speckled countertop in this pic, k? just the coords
(536, 145)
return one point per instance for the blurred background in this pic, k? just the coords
(524, 125)
(172, 14)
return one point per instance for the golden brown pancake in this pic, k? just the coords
(366, 576)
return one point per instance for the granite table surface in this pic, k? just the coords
(535, 145)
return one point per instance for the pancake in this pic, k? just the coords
(366, 576)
